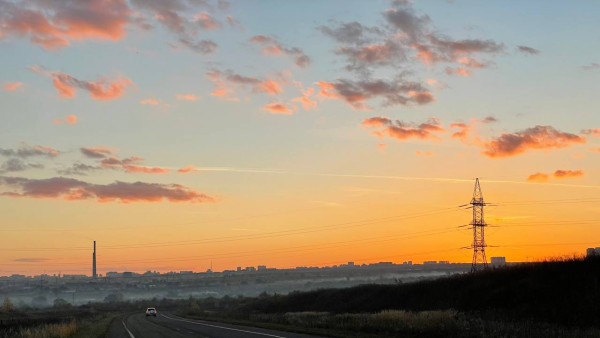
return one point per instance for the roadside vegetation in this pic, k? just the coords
(62, 320)
(548, 299)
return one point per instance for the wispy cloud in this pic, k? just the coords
(69, 119)
(72, 190)
(11, 86)
(102, 89)
(26, 150)
(272, 47)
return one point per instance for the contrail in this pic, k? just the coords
(389, 177)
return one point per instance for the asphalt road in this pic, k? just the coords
(170, 326)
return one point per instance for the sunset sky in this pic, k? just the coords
(184, 133)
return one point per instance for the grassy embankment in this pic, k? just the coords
(70, 322)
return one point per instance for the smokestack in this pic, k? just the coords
(94, 262)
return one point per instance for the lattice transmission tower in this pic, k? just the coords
(478, 224)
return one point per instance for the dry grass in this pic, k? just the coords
(47, 331)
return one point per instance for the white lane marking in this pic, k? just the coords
(223, 327)
(126, 329)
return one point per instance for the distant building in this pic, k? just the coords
(262, 268)
(498, 261)
(429, 262)
(350, 263)
(239, 268)
(593, 252)
(444, 262)
(250, 268)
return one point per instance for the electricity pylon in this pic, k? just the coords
(478, 224)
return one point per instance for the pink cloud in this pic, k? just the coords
(278, 108)
(11, 86)
(69, 119)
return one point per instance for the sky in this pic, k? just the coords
(187, 134)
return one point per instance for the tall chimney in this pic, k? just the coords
(94, 262)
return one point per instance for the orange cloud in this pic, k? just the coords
(538, 137)
(568, 173)
(72, 190)
(187, 169)
(537, 177)
(402, 130)
(327, 90)
(70, 119)
(11, 86)
(56, 23)
(273, 50)
(188, 97)
(458, 70)
(594, 132)
(150, 101)
(470, 62)
(378, 121)
(145, 170)
(278, 108)
(305, 100)
(424, 153)
(466, 131)
(226, 82)
(102, 89)
(595, 150)
(270, 87)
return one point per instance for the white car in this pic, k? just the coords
(150, 312)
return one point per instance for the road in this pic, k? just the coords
(167, 325)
